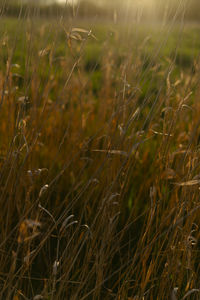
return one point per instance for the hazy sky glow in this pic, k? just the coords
(142, 2)
(68, 1)
(130, 3)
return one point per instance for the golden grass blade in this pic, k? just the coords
(118, 152)
(188, 183)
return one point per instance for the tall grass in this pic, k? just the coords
(99, 178)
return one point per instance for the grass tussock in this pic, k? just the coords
(99, 160)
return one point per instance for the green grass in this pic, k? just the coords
(153, 45)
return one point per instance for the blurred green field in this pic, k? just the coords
(53, 44)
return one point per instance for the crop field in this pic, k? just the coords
(99, 159)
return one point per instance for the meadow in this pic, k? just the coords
(99, 159)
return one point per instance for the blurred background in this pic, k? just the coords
(130, 9)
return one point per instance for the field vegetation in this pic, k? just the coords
(99, 155)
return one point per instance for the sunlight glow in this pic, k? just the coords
(67, 1)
